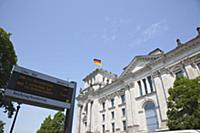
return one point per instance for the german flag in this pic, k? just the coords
(97, 61)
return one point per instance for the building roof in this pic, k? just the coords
(101, 71)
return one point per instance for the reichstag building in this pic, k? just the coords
(136, 100)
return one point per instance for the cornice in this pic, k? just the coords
(107, 87)
(177, 66)
(112, 95)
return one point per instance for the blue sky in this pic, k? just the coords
(61, 37)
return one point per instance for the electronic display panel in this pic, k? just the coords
(31, 87)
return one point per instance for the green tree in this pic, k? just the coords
(184, 104)
(8, 58)
(53, 125)
(1, 127)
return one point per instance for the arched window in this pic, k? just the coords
(151, 117)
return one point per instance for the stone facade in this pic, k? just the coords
(136, 101)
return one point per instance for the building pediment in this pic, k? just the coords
(138, 63)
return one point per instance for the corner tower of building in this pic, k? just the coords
(98, 79)
(88, 101)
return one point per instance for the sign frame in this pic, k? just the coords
(18, 94)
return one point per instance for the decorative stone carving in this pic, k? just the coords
(196, 58)
(198, 31)
(176, 67)
(178, 42)
(103, 99)
(166, 71)
(156, 74)
(187, 61)
(84, 118)
(129, 85)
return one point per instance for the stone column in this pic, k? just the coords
(88, 116)
(184, 68)
(90, 124)
(148, 85)
(142, 87)
(107, 116)
(161, 97)
(80, 107)
(118, 115)
(131, 119)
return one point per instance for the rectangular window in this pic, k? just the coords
(103, 105)
(124, 125)
(123, 112)
(150, 83)
(179, 74)
(113, 114)
(140, 88)
(112, 102)
(103, 129)
(198, 65)
(113, 127)
(103, 117)
(145, 85)
(123, 98)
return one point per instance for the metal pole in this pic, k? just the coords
(12, 127)
(70, 112)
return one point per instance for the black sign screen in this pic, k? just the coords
(35, 86)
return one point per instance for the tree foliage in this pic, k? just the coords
(184, 104)
(2, 126)
(8, 58)
(53, 125)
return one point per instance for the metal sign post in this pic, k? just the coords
(13, 124)
(69, 113)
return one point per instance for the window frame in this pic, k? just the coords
(124, 125)
(123, 99)
(103, 105)
(103, 117)
(145, 86)
(103, 128)
(150, 81)
(113, 115)
(113, 127)
(198, 65)
(123, 112)
(179, 73)
(140, 87)
(112, 101)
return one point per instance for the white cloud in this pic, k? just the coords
(144, 35)
(112, 28)
(155, 28)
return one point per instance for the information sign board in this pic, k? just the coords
(31, 87)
